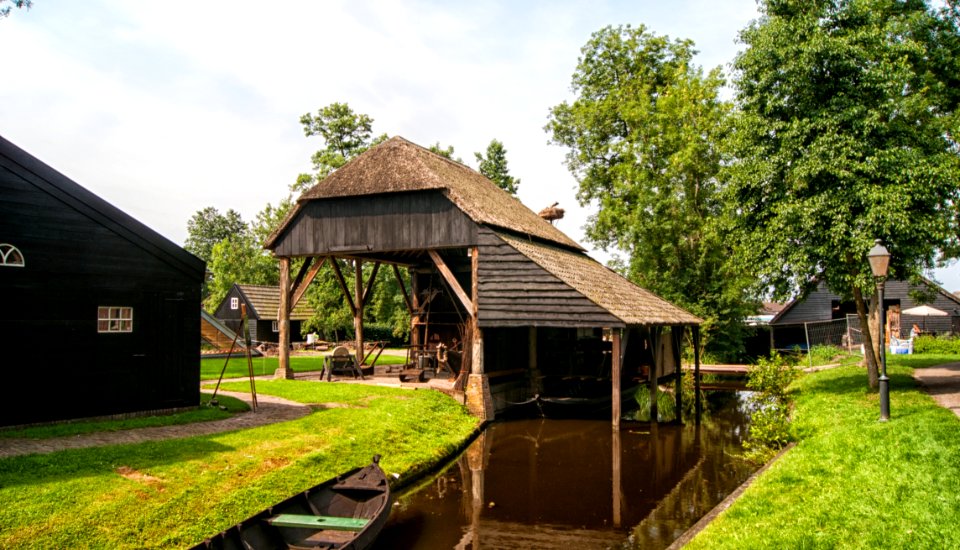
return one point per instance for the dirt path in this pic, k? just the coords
(270, 410)
(942, 383)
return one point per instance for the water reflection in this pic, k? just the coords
(557, 483)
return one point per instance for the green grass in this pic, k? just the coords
(200, 414)
(172, 494)
(852, 481)
(264, 366)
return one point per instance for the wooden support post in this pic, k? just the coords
(698, 406)
(655, 336)
(358, 311)
(678, 390)
(536, 379)
(283, 323)
(479, 399)
(415, 314)
(615, 358)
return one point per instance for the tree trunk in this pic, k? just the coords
(870, 350)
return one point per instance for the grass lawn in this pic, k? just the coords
(173, 494)
(263, 366)
(852, 481)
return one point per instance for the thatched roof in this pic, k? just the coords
(398, 165)
(603, 286)
(265, 301)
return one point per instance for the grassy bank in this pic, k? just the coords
(852, 481)
(174, 493)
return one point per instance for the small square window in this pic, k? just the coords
(234, 303)
(114, 319)
(275, 327)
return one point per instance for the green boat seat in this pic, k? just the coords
(318, 522)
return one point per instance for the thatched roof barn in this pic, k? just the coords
(522, 297)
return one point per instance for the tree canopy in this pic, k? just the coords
(643, 136)
(207, 227)
(846, 132)
(345, 134)
(494, 167)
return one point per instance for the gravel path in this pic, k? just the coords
(269, 410)
(942, 383)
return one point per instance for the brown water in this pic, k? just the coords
(574, 484)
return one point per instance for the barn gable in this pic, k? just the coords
(100, 303)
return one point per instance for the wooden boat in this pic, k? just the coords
(344, 513)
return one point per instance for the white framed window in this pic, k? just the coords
(234, 303)
(10, 256)
(275, 326)
(114, 319)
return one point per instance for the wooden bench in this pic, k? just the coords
(318, 522)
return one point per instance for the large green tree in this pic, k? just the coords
(207, 227)
(345, 134)
(643, 135)
(846, 132)
(494, 167)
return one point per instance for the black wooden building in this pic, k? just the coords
(520, 298)
(98, 313)
(262, 307)
(792, 325)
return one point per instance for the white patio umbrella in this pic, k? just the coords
(924, 311)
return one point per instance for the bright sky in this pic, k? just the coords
(163, 109)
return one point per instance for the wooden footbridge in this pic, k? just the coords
(726, 377)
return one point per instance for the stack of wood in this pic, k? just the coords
(551, 213)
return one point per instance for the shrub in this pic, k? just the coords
(946, 345)
(769, 407)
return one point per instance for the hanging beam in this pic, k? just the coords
(452, 281)
(303, 281)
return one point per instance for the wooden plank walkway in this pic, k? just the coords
(720, 369)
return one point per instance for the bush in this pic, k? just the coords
(769, 407)
(946, 345)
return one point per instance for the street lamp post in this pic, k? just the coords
(879, 258)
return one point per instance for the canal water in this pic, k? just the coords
(575, 484)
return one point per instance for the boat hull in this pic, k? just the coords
(360, 494)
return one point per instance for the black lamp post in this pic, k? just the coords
(879, 258)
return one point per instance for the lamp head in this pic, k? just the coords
(879, 258)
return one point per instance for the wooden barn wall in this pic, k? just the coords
(515, 291)
(818, 307)
(48, 315)
(399, 221)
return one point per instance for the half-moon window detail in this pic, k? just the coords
(10, 256)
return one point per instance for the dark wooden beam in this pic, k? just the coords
(452, 281)
(615, 377)
(300, 287)
(373, 277)
(403, 288)
(343, 285)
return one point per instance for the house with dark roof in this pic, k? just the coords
(488, 276)
(822, 305)
(262, 304)
(98, 313)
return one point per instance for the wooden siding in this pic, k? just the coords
(81, 253)
(817, 306)
(376, 223)
(514, 292)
